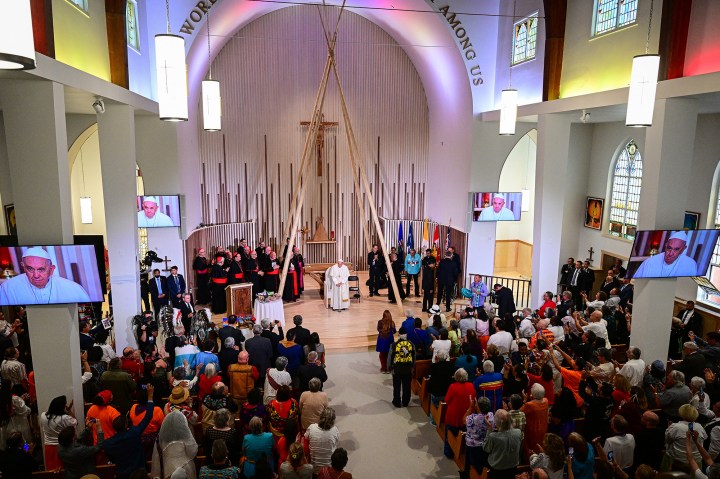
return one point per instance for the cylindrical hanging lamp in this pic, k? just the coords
(508, 111)
(212, 108)
(171, 77)
(643, 83)
(86, 216)
(17, 45)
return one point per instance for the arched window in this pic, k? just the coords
(131, 17)
(613, 14)
(625, 193)
(524, 39)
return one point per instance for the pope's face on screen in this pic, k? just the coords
(38, 270)
(498, 204)
(149, 208)
(673, 249)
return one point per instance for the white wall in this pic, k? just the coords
(167, 242)
(702, 54)
(526, 76)
(518, 173)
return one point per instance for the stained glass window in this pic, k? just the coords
(133, 34)
(613, 14)
(625, 194)
(525, 39)
(81, 4)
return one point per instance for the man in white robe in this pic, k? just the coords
(670, 263)
(339, 294)
(498, 211)
(37, 285)
(150, 217)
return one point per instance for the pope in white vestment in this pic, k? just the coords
(150, 217)
(497, 212)
(38, 285)
(671, 263)
(339, 294)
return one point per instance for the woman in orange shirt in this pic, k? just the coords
(536, 416)
(101, 411)
(149, 435)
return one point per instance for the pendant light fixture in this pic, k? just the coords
(17, 45)
(86, 216)
(171, 74)
(643, 84)
(212, 104)
(508, 98)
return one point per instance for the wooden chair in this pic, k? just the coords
(106, 471)
(457, 444)
(474, 474)
(619, 353)
(422, 370)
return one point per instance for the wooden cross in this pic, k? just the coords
(320, 139)
(591, 251)
(166, 261)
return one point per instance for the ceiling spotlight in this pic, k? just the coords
(99, 106)
(585, 116)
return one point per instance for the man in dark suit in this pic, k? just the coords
(260, 351)
(187, 309)
(275, 338)
(158, 291)
(504, 299)
(588, 279)
(86, 341)
(575, 284)
(302, 335)
(609, 284)
(565, 273)
(176, 286)
(230, 330)
(447, 274)
(376, 264)
(626, 292)
(458, 262)
(686, 320)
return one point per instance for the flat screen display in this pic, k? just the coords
(671, 253)
(50, 275)
(158, 211)
(496, 206)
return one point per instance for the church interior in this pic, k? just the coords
(337, 125)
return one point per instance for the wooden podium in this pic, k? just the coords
(239, 299)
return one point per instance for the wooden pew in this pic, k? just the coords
(421, 370)
(48, 475)
(457, 445)
(474, 474)
(438, 415)
(425, 395)
(106, 471)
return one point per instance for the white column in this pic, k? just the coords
(34, 114)
(116, 131)
(553, 156)
(666, 179)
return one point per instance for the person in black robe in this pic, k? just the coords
(504, 299)
(219, 278)
(270, 267)
(290, 291)
(251, 273)
(396, 267)
(447, 274)
(299, 263)
(428, 279)
(235, 273)
(201, 267)
(260, 250)
(376, 265)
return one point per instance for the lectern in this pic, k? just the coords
(239, 299)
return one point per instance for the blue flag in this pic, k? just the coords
(410, 240)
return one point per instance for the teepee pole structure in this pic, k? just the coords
(299, 190)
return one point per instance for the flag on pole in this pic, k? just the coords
(400, 239)
(410, 240)
(425, 238)
(436, 242)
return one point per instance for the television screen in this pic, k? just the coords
(50, 275)
(496, 206)
(155, 211)
(671, 253)
(97, 242)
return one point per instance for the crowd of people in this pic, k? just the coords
(225, 407)
(559, 389)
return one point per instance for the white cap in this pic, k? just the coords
(499, 195)
(340, 260)
(681, 235)
(150, 199)
(38, 252)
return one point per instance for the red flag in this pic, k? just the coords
(436, 242)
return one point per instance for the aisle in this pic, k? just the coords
(382, 441)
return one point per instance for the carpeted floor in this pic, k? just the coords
(382, 441)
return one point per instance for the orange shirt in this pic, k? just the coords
(105, 416)
(155, 422)
(572, 382)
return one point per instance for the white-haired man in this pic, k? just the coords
(340, 293)
(38, 285)
(671, 262)
(497, 211)
(150, 215)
